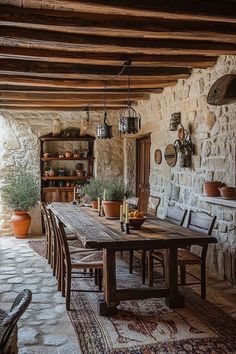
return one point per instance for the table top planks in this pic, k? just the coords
(99, 232)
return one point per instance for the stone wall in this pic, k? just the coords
(214, 138)
(19, 147)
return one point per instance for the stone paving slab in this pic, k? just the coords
(45, 327)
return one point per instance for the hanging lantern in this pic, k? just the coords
(130, 120)
(104, 131)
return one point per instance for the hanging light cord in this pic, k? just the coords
(105, 103)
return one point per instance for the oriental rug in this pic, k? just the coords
(149, 326)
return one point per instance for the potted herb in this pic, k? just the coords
(20, 193)
(115, 192)
(94, 189)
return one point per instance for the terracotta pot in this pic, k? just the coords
(212, 188)
(20, 221)
(94, 204)
(68, 154)
(112, 208)
(228, 192)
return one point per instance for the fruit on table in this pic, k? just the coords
(136, 214)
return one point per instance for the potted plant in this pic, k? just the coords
(20, 193)
(94, 190)
(185, 151)
(115, 192)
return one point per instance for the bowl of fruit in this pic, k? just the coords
(136, 219)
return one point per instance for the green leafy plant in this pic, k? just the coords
(94, 188)
(116, 190)
(20, 191)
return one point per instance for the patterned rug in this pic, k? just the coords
(148, 326)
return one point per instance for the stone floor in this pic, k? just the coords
(45, 327)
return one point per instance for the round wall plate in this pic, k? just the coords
(170, 155)
(158, 156)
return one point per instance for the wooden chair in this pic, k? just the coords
(153, 204)
(70, 263)
(133, 202)
(204, 223)
(8, 320)
(175, 215)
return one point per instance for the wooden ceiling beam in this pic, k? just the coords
(38, 39)
(12, 89)
(116, 26)
(82, 84)
(107, 59)
(94, 72)
(63, 104)
(174, 9)
(71, 97)
(58, 108)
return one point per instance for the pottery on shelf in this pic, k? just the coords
(228, 192)
(212, 188)
(68, 154)
(46, 155)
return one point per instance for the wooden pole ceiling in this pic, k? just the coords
(60, 54)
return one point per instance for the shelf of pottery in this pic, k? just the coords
(66, 164)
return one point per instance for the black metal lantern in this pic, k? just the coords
(130, 120)
(104, 131)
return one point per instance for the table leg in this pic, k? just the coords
(107, 306)
(175, 300)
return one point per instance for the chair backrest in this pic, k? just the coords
(176, 215)
(201, 221)
(60, 235)
(8, 323)
(133, 202)
(153, 204)
(45, 215)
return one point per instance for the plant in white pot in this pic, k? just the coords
(20, 193)
(94, 189)
(115, 191)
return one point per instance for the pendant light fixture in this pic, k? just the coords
(104, 131)
(130, 120)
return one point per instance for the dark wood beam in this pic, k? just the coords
(12, 89)
(58, 108)
(83, 96)
(61, 103)
(82, 84)
(92, 72)
(18, 37)
(174, 9)
(116, 26)
(107, 59)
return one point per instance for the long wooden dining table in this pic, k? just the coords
(104, 234)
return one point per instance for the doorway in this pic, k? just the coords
(143, 145)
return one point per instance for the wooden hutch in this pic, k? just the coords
(60, 174)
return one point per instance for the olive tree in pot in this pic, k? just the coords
(115, 191)
(20, 193)
(94, 189)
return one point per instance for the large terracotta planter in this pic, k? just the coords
(112, 208)
(20, 221)
(94, 204)
(212, 188)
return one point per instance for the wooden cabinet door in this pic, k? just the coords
(143, 171)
